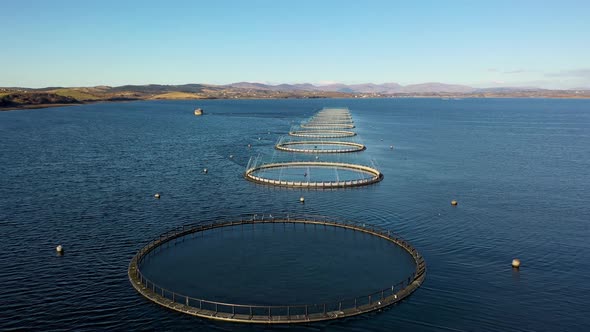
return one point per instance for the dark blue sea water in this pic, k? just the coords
(85, 177)
(279, 264)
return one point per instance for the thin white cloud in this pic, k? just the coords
(513, 71)
(579, 73)
(517, 71)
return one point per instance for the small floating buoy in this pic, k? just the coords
(259, 138)
(205, 170)
(157, 196)
(302, 199)
(249, 145)
(317, 157)
(59, 249)
(231, 156)
(516, 263)
(391, 147)
(454, 203)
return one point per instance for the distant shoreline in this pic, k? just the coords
(14, 98)
(30, 107)
(40, 106)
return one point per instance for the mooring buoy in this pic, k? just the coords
(454, 203)
(205, 170)
(59, 249)
(516, 263)
(157, 196)
(391, 147)
(302, 199)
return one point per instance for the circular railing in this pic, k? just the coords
(326, 125)
(275, 314)
(345, 147)
(333, 113)
(322, 133)
(375, 175)
(331, 120)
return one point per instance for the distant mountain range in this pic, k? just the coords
(385, 88)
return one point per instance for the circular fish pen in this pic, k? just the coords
(320, 147)
(313, 174)
(327, 125)
(331, 120)
(322, 133)
(273, 312)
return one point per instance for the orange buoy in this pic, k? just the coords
(516, 263)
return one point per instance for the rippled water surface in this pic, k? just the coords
(85, 177)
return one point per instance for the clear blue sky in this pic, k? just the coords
(479, 43)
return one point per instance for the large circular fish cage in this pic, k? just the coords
(331, 120)
(390, 294)
(332, 116)
(320, 147)
(327, 125)
(372, 175)
(322, 133)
